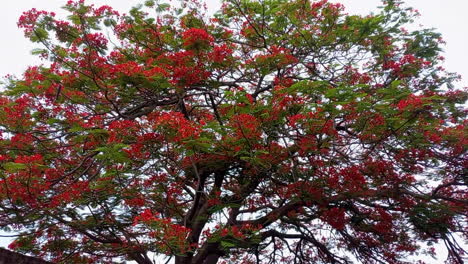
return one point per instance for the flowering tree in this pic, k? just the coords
(273, 132)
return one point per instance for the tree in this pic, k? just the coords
(272, 132)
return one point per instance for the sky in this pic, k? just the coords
(447, 17)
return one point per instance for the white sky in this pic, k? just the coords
(447, 16)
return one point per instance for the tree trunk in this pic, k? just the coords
(9, 257)
(211, 259)
(182, 260)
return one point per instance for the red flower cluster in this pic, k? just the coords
(28, 20)
(247, 126)
(402, 67)
(196, 38)
(276, 57)
(335, 217)
(176, 126)
(411, 102)
(169, 236)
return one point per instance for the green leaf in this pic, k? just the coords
(75, 19)
(40, 34)
(99, 132)
(38, 51)
(14, 167)
(227, 244)
(331, 93)
(149, 3)
(113, 153)
(109, 22)
(162, 7)
(52, 121)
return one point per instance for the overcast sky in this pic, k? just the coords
(447, 16)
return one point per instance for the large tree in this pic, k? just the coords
(274, 131)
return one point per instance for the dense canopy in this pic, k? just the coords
(274, 131)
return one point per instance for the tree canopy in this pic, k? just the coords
(274, 131)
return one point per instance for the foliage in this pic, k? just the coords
(272, 132)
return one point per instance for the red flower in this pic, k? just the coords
(196, 37)
(335, 217)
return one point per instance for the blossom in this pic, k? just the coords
(196, 37)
